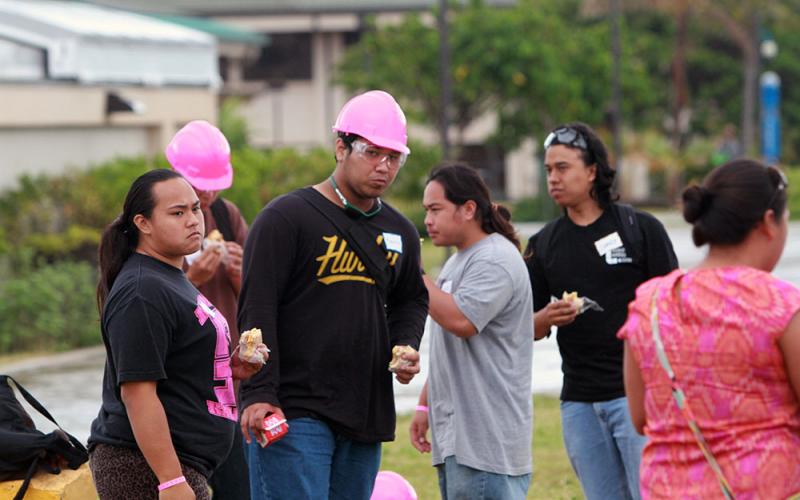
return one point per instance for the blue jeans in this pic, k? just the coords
(313, 462)
(603, 447)
(459, 482)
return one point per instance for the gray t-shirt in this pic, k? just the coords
(479, 388)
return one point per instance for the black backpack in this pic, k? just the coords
(25, 449)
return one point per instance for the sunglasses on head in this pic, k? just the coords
(567, 136)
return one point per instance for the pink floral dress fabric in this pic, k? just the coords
(720, 329)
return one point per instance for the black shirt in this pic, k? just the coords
(590, 351)
(157, 326)
(323, 317)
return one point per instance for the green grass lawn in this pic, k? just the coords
(552, 475)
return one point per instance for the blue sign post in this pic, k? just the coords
(770, 117)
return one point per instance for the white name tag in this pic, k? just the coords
(608, 243)
(394, 242)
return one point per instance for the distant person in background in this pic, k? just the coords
(169, 414)
(598, 251)
(730, 333)
(728, 146)
(477, 399)
(200, 152)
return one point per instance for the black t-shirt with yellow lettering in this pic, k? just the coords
(324, 319)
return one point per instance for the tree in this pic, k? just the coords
(740, 21)
(787, 65)
(535, 64)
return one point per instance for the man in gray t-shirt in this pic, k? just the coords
(477, 400)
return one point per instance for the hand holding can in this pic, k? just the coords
(274, 429)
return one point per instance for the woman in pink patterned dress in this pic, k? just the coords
(732, 336)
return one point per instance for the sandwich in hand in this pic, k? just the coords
(573, 299)
(397, 361)
(251, 347)
(215, 241)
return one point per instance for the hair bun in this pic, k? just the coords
(696, 201)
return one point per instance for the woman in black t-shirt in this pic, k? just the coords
(169, 412)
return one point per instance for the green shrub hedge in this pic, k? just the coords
(57, 216)
(50, 308)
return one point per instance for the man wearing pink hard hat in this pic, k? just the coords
(202, 155)
(332, 278)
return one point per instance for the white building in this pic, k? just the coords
(81, 84)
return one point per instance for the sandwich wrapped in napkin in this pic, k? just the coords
(252, 348)
(582, 304)
(397, 361)
(216, 242)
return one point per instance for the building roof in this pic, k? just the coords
(224, 32)
(242, 7)
(94, 44)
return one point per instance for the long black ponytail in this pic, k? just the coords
(462, 183)
(121, 237)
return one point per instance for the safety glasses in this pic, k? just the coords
(567, 136)
(374, 156)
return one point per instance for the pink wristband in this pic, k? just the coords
(422, 408)
(171, 483)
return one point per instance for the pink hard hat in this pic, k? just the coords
(200, 153)
(377, 117)
(392, 486)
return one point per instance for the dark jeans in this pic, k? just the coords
(231, 480)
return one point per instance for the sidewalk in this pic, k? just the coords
(44, 361)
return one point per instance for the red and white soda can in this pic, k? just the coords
(274, 429)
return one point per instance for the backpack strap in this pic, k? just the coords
(223, 219)
(29, 398)
(27, 479)
(41, 409)
(629, 226)
(360, 239)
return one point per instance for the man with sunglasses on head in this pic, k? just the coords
(332, 278)
(602, 251)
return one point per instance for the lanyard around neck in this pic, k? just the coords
(350, 206)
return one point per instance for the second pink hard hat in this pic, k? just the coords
(201, 153)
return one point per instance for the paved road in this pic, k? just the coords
(69, 384)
